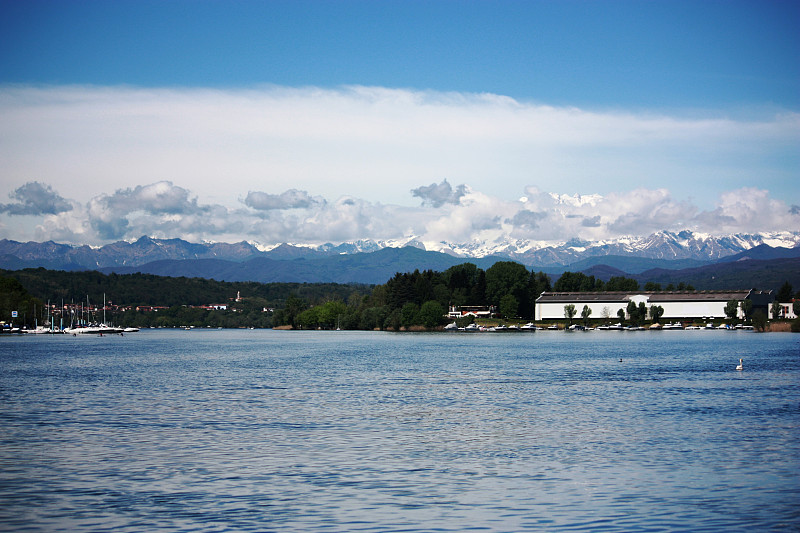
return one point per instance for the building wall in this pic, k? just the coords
(787, 312)
(694, 309)
(672, 310)
(555, 310)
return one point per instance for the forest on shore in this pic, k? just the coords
(410, 300)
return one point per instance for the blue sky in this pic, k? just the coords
(670, 54)
(336, 116)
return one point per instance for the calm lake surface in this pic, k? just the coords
(260, 430)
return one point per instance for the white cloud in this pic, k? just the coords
(291, 199)
(749, 207)
(310, 165)
(165, 210)
(377, 143)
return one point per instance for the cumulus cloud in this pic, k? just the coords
(525, 218)
(35, 198)
(110, 215)
(165, 210)
(291, 199)
(746, 208)
(158, 198)
(591, 222)
(642, 210)
(437, 195)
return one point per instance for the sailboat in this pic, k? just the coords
(94, 328)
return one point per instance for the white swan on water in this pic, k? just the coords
(740, 365)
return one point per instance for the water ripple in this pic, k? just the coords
(346, 431)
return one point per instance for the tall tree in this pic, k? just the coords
(732, 309)
(784, 293)
(569, 312)
(656, 312)
(431, 314)
(747, 307)
(633, 313)
(538, 283)
(585, 314)
(509, 306)
(507, 277)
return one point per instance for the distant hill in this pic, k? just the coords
(762, 274)
(603, 272)
(665, 258)
(370, 268)
(763, 252)
(633, 264)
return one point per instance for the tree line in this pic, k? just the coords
(407, 300)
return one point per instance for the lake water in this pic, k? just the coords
(259, 430)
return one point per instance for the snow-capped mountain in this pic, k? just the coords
(664, 245)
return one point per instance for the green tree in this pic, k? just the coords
(776, 308)
(784, 294)
(651, 286)
(294, 306)
(507, 277)
(633, 313)
(330, 313)
(393, 321)
(586, 312)
(14, 297)
(569, 312)
(308, 319)
(621, 283)
(747, 307)
(431, 314)
(732, 309)
(578, 282)
(538, 283)
(375, 317)
(759, 320)
(656, 312)
(409, 315)
(509, 306)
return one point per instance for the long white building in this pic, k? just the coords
(676, 304)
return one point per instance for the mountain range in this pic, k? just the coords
(665, 257)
